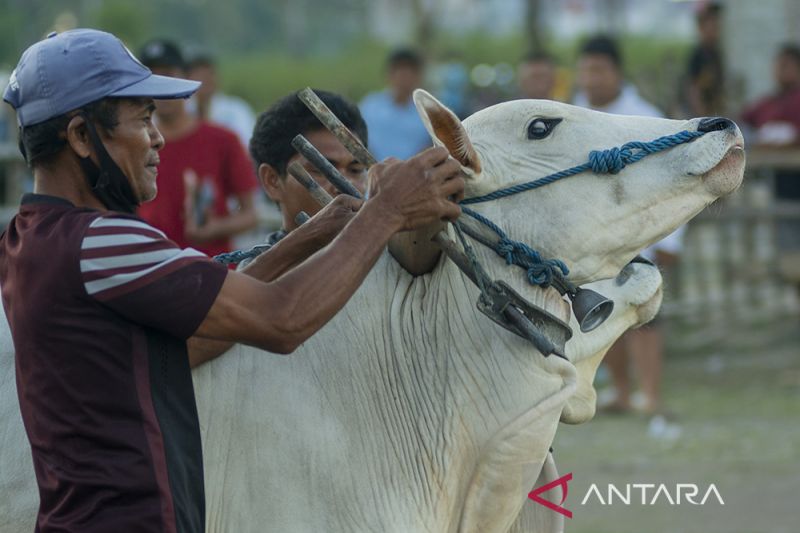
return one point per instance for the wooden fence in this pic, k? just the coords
(732, 269)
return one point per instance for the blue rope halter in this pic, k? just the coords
(541, 271)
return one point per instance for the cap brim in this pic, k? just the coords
(159, 88)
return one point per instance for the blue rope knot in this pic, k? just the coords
(541, 274)
(610, 161)
(505, 248)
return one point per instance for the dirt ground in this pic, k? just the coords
(735, 393)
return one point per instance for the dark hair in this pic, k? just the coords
(603, 45)
(405, 57)
(538, 57)
(790, 50)
(709, 10)
(162, 53)
(41, 143)
(200, 59)
(289, 117)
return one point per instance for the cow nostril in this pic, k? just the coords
(707, 125)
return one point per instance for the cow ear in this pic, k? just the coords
(446, 130)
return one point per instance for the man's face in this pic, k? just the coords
(403, 78)
(537, 79)
(599, 78)
(206, 75)
(134, 145)
(292, 196)
(787, 72)
(708, 27)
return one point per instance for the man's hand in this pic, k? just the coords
(417, 192)
(327, 223)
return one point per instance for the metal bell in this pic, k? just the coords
(590, 308)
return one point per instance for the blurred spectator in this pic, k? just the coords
(5, 117)
(394, 124)
(603, 88)
(536, 76)
(452, 84)
(203, 167)
(602, 84)
(212, 105)
(272, 152)
(776, 118)
(705, 84)
(644, 346)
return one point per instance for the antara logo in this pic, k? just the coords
(648, 494)
(560, 482)
(689, 491)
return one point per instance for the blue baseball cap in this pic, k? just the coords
(68, 70)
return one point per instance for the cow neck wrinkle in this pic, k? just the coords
(548, 299)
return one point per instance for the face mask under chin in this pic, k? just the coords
(108, 182)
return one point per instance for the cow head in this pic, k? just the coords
(595, 223)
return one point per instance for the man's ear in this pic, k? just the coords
(271, 181)
(78, 137)
(446, 130)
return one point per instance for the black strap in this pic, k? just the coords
(108, 182)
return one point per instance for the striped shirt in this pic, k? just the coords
(100, 305)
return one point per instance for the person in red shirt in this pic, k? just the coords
(203, 168)
(776, 118)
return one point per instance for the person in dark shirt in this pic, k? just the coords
(100, 304)
(705, 87)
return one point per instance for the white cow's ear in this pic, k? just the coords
(446, 130)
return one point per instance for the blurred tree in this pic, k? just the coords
(131, 22)
(424, 30)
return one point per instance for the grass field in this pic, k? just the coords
(736, 402)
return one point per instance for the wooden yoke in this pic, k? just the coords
(413, 250)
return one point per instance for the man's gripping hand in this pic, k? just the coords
(418, 192)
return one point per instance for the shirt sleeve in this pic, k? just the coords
(132, 268)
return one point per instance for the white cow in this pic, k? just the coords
(410, 411)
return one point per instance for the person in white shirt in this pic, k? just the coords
(395, 129)
(222, 109)
(602, 87)
(601, 81)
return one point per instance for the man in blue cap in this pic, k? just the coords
(100, 303)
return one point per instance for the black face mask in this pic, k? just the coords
(107, 181)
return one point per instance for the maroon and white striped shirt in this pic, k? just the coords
(99, 306)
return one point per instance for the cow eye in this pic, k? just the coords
(539, 128)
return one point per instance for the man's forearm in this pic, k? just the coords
(290, 251)
(284, 255)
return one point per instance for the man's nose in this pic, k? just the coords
(156, 139)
